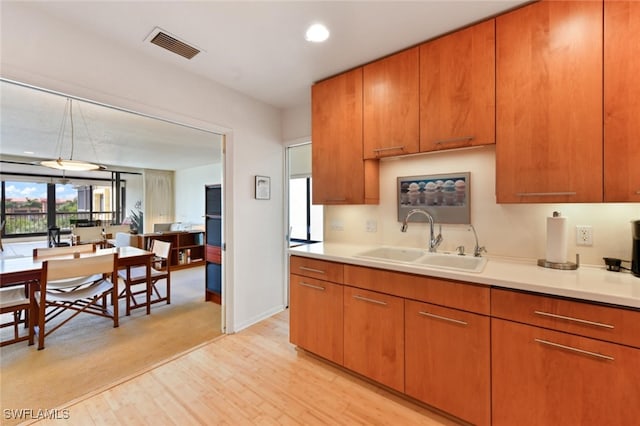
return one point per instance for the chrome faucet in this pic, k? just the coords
(434, 242)
(477, 250)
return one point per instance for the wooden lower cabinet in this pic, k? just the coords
(545, 377)
(447, 360)
(374, 336)
(316, 317)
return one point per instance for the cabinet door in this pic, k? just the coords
(391, 105)
(549, 103)
(374, 336)
(543, 377)
(457, 89)
(316, 317)
(340, 174)
(621, 101)
(213, 243)
(447, 355)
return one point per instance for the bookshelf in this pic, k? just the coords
(187, 247)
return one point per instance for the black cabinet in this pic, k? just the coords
(214, 244)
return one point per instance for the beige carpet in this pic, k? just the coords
(88, 353)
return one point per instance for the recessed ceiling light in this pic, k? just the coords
(29, 152)
(317, 33)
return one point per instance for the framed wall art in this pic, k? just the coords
(263, 188)
(444, 196)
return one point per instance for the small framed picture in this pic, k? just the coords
(444, 196)
(263, 187)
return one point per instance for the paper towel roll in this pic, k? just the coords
(557, 239)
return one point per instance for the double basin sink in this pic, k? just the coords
(419, 257)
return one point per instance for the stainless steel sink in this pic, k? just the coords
(396, 254)
(419, 257)
(452, 261)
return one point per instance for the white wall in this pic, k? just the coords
(189, 198)
(507, 230)
(43, 51)
(296, 123)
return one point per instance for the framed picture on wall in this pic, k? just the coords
(444, 196)
(263, 187)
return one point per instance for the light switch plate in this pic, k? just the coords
(372, 226)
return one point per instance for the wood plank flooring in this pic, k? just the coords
(255, 377)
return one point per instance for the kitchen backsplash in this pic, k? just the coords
(506, 230)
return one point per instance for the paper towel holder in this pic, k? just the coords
(565, 266)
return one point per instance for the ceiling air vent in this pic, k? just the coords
(162, 38)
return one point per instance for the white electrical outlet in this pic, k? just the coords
(584, 235)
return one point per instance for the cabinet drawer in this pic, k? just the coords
(314, 268)
(600, 322)
(453, 294)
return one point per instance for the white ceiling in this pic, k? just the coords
(256, 48)
(31, 121)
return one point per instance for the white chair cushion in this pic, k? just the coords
(12, 297)
(72, 282)
(91, 291)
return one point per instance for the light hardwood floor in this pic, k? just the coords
(255, 377)
(88, 354)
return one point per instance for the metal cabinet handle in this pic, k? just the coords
(315, 287)
(317, 271)
(572, 349)
(336, 199)
(366, 299)
(428, 314)
(454, 140)
(581, 321)
(389, 148)
(544, 194)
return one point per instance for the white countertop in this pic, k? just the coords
(587, 282)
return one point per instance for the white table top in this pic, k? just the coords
(28, 263)
(586, 283)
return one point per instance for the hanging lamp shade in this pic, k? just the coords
(69, 164)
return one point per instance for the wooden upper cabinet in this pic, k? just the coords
(621, 101)
(391, 105)
(340, 175)
(549, 103)
(457, 89)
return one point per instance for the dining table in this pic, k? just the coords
(26, 270)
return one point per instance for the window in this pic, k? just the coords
(305, 220)
(66, 204)
(24, 207)
(31, 207)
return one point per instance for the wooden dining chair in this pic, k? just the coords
(42, 252)
(136, 276)
(89, 297)
(15, 301)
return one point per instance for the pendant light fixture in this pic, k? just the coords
(70, 164)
